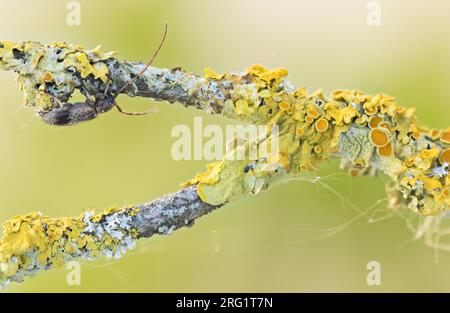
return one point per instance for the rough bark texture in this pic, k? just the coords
(170, 212)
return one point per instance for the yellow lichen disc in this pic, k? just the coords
(379, 137)
(321, 125)
(445, 136)
(285, 106)
(374, 121)
(385, 125)
(385, 151)
(445, 156)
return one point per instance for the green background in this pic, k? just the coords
(277, 241)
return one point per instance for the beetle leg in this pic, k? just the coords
(57, 100)
(85, 93)
(106, 88)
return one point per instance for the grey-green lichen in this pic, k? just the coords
(46, 72)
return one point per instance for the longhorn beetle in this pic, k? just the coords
(74, 113)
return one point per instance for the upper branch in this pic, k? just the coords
(49, 75)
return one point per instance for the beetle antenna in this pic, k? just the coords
(132, 81)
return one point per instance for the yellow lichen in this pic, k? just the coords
(243, 107)
(98, 70)
(209, 73)
(265, 74)
(429, 153)
(48, 77)
(431, 183)
(299, 131)
(209, 177)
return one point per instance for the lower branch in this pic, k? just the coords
(34, 243)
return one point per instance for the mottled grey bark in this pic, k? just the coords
(172, 85)
(170, 212)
